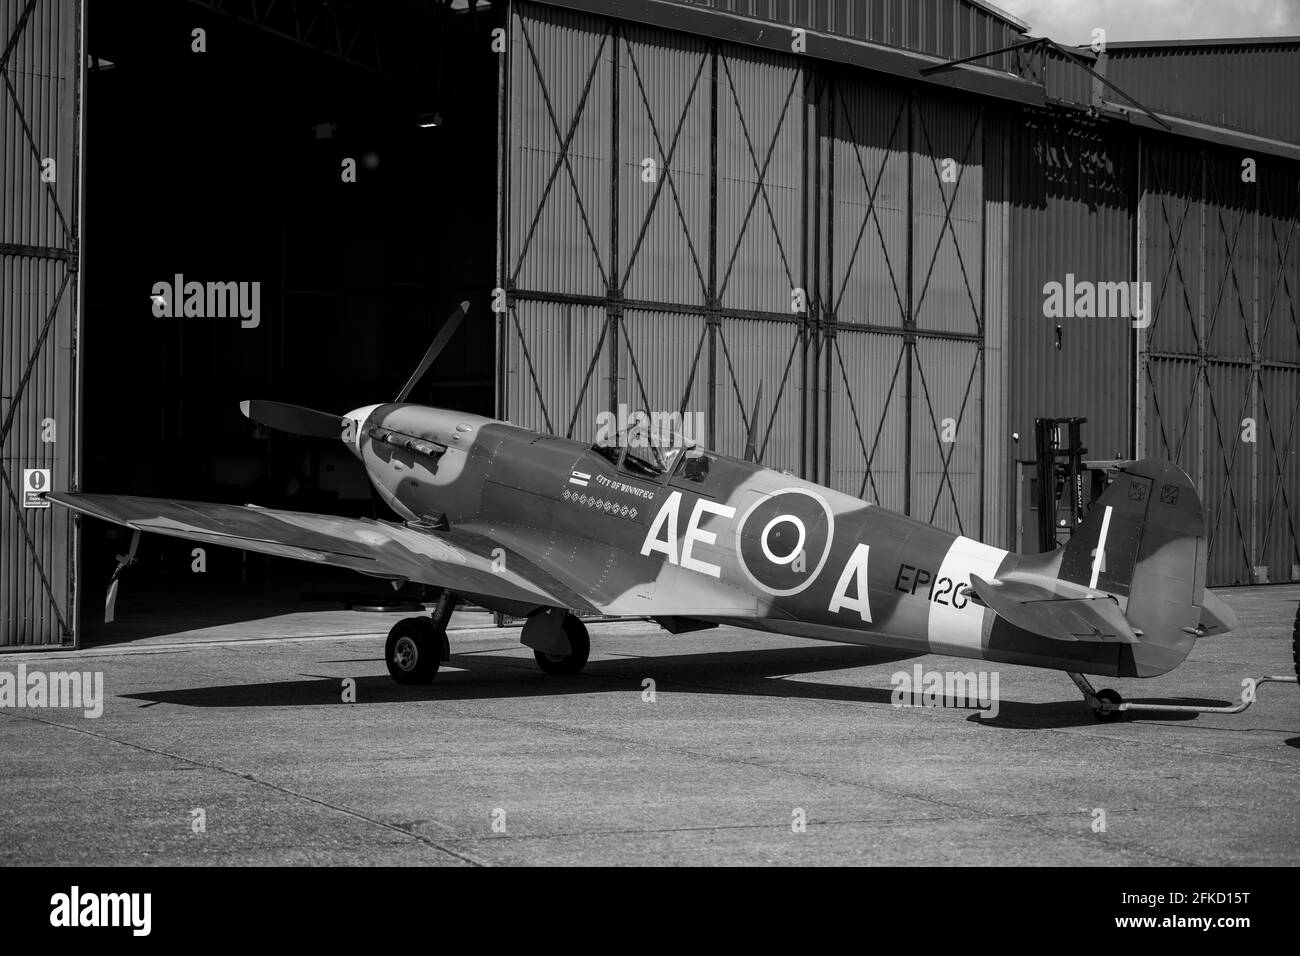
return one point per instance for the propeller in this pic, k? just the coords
(293, 418)
(124, 561)
(439, 342)
(298, 420)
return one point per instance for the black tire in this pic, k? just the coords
(413, 650)
(567, 665)
(1295, 642)
(1110, 697)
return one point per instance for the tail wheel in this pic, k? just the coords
(1108, 716)
(564, 665)
(413, 650)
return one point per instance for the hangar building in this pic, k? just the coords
(861, 207)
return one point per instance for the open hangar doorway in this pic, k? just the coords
(343, 158)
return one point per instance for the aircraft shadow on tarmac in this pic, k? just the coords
(488, 676)
(153, 605)
(1017, 715)
(753, 673)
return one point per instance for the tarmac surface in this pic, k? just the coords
(747, 736)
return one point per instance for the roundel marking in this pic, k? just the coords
(794, 552)
(769, 571)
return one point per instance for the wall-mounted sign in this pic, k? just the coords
(36, 481)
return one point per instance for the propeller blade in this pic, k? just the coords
(751, 442)
(293, 418)
(439, 342)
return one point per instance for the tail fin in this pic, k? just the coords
(1144, 541)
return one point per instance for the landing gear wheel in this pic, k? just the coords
(1110, 697)
(1295, 643)
(412, 652)
(565, 665)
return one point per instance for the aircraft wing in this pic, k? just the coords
(1056, 609)
(380, 548)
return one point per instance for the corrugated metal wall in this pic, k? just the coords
(863, 258)
(664, 85)
(1071, 215)
(1277, 395)
(1220, 364)
(947, 312)
(775, 181)
(682, 280)
(944, 28)
(561, 147)
(759, 252)
(1067, 80)
(901, 294)
(40, 137)
(1240, 85)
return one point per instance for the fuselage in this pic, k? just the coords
(708, 537)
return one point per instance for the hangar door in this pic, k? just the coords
(684, 222)
(650, 258)
(902, 318)
(1219, 368)
(40, 137)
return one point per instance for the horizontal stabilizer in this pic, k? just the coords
(1216, 616)
(1056, 609)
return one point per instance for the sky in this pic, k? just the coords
(1072, 21)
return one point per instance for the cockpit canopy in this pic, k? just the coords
(647, 448)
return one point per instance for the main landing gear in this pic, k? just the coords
(417, 645)
(559, 641)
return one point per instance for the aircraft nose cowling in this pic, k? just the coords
(356, 426)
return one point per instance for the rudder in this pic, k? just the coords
(1144, 541)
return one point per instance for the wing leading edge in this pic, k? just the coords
(379, 548)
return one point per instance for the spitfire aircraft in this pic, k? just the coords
(652, 526)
